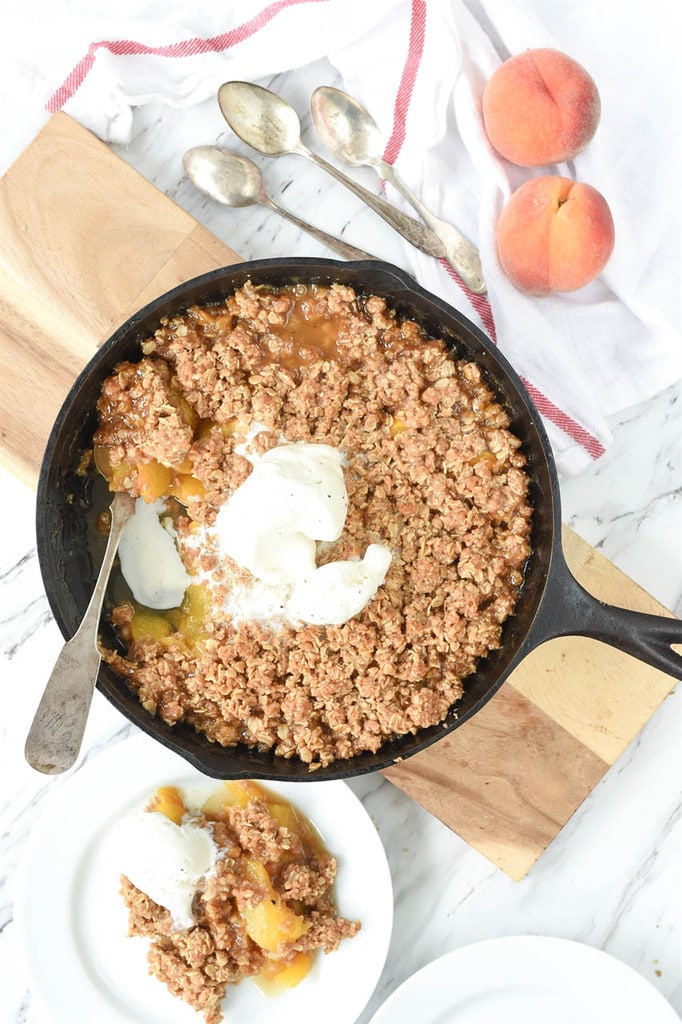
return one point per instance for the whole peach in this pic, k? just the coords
(540, 107)
(554, 235)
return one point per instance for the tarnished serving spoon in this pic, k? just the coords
(270, 125)
(56, 734)
(350, 132)
(236, 181)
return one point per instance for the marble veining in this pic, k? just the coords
(27, 607)
(612, 877)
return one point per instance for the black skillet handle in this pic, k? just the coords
(567, 609)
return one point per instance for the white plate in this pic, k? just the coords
(526, 980)
(74, 922)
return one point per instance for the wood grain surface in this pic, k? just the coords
(509, 779)
(84, 242)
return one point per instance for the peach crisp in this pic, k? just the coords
(262, 908)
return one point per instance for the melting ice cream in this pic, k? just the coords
(166, 861)
(150, 562)
(295, 496)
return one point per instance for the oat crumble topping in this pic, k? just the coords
(432, 472)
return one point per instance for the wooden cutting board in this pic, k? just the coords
(84, 242)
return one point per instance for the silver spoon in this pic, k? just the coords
(271, 126)
(56, 734)
(236, 181)
(352, 135)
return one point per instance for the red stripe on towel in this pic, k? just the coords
(545, 406)
(480, 303)
(185, 48)
(415, 49)
(560, 419)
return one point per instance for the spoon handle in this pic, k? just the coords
(459, 252)
(344, 249)
(56, 734)
(416, 233)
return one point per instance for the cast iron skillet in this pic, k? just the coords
(551, 602)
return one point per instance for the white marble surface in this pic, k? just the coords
(612, 877)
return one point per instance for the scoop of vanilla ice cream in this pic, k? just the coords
(165, 860)
(150, 562)
(294, 497)
(257, 528)
(337, 591)
(308, 479)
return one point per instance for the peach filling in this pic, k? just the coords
(188, 622)
(268, 921)
(152, 480)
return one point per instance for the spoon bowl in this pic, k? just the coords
(346, 128)
(226, 177)
(260, 118)
(56, 733)
(236, 181)
(350, 132)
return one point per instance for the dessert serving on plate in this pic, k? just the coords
(261, 904)
(236, 885)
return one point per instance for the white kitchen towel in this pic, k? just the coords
(420, 67)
